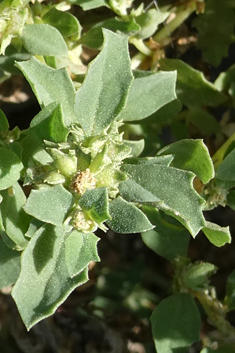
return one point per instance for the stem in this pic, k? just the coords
(137, 60)
(181, 16)
(219, 155)
(141, 46)
(216, 312)
(165, 32)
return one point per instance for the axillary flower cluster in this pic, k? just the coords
(82, 164)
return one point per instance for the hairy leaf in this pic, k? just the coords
(49, 124)
(44, 282)
(148, 94)
(64, 22)
(192, 88)
(95, 203)
(103, 93)
(169, 189)
(191, 155)
(80, 249)
(42, 39)
(93, 38)
(50, 85)
(127, 218)
(14, 219)
(49, 204)
(10, 168)
(149, 22)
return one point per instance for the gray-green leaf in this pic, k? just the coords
(49, 204)
(10, 168)
(103, 93)
(148, 94)
(14, 219)
(44, 282)
(80, 249)
(169, 189)
(50, 85)
(127, 218)
(191, 155)
(43, 39)
(192, 87)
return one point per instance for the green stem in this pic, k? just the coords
(216, 312)
(141, 46)
(219, 155)
(180, 17)
(137, 60)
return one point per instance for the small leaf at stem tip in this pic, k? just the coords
(217, 235)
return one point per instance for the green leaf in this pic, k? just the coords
(191, 155)
(4, 125)
(49, 124)
(80, 249)
(149, 22)
(33, 148)
(137, 147)
(163, 116)
(42, 39)
(215, 30)
(7, 61)
(165, 160)
(103, 94)
(34, 225)
(204, 121)
(226, 170)
(217, 235)
(14, 219)
(192, 88)
(168, 239)
(95, 203)
(64, 22)
(93, 38)
(168, 188)
(49, 204)
(127, 218)
(225, 82)
(9, 265)
(230, 291)
(50, 85)
(175, 324)
(44, 282)
(195, 276)
(148, 94)
(89, 4)
(10, 168)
